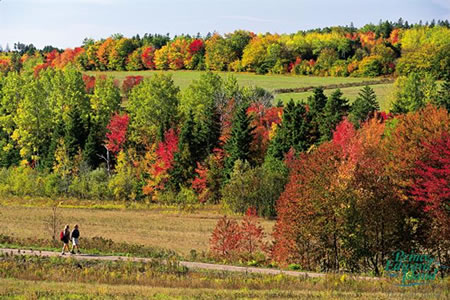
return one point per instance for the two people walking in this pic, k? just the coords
(67, 236)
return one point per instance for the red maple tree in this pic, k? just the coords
(432, 181)
(116, 136)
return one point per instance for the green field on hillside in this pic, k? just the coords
(383, 92)
(270, 82)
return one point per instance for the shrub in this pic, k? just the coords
(231, 241)
(257, 188)
(225, 238)
(91, 185)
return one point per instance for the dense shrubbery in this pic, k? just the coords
(337, 51)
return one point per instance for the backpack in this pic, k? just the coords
(61, 235)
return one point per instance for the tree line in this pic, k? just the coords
(373, 50)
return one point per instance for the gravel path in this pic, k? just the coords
(188, 264)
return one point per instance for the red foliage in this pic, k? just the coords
(352, 36)
(300, 204)
(432, 181)
(263, 120)
(147, 57)
(4, 65)
(130, 82)
(292, 65)
(51, 56)
(89, 83)
(383, 116)
(199, 183)
(342, 136)
(226, 121)
(394, 37)
(196, 46)
(252, 234)
(68, 56)
(225, 239)
(38, 68)
(229, 239)
(116, 136)
(166, 152)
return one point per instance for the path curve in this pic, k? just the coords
(188, 264)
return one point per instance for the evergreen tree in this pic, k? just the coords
(238, 145)
(207, 134)
(184, 160)
(364, 106)
(293, 132)
(92, 148)
(57, 134)
(316, 105)
(335, 108)
(75, 132)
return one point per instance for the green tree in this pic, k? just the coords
(202, 94)
(443, 98)
(238, 145)
(104, 102)
(184, 159)
(413, 92)
(219, 53)
(365, 105)
(152, 107)
(335, 109)
(75, 133)
(34, 122)
(316, 105)
(293, 132)
(91, 148)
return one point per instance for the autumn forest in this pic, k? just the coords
(347, 183)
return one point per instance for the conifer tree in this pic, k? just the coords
(75, 132)
(238, 145)
(293, 132)
(364, 106)
(57, 134)
(184, 161)
(316, 105)
(335, 108)
(91, 148)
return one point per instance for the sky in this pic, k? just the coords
(65, 23)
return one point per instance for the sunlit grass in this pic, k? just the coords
(270, 82)
(383, 92)
(159, 227)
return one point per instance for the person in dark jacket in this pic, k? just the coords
(74, 236)
(65, 237)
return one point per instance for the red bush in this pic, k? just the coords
(130, 82)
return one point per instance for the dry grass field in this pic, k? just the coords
(165, 228)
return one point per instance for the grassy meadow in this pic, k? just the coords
(25, 289)
(268, 81)
(55, 278)
(164, 227)
(158, 227)
(383, 92)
